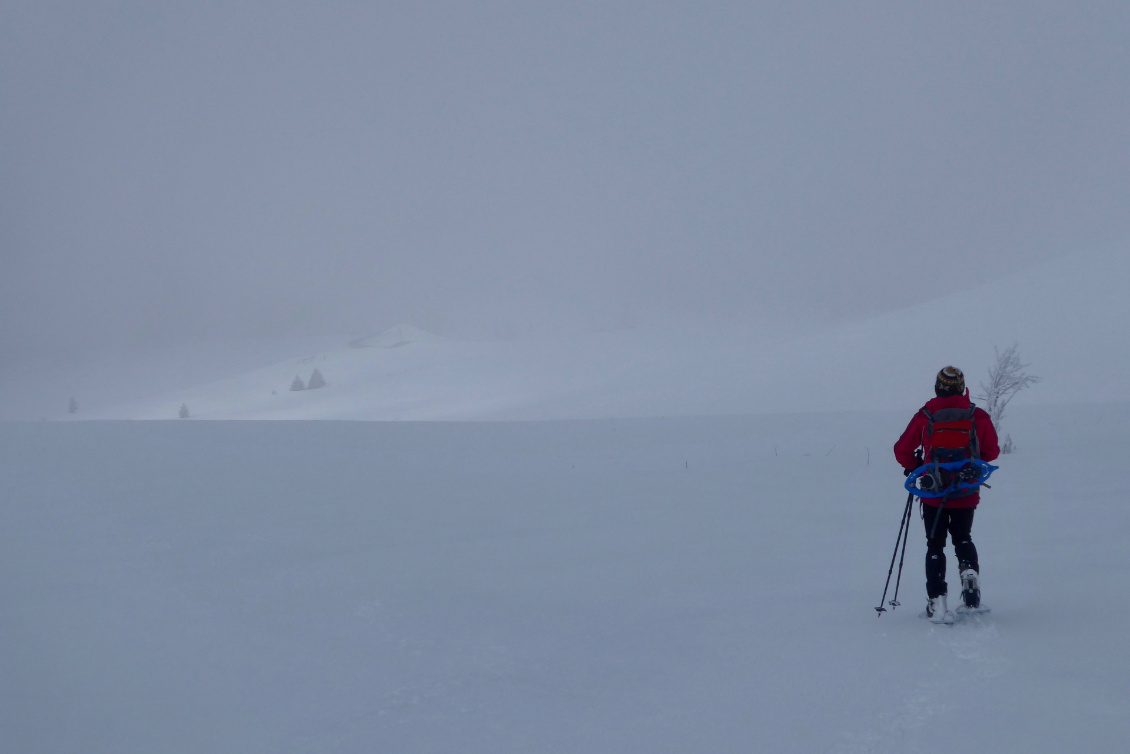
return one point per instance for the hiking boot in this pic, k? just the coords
(970, 588)
(937, 610)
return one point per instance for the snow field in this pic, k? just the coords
(645, 585)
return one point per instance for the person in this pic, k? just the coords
(953, 514)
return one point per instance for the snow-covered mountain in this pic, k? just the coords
(1068, 316)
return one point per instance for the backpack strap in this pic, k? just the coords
(929, 426)
(974, 440)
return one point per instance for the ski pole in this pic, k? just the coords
(904, 532)
(903, 525)
(938, 515)
(906, 537)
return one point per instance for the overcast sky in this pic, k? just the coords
(176, 171)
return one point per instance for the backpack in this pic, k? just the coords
(951, 464)
(950, 435)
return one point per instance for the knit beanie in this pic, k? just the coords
(950, 381)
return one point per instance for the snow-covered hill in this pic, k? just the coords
(1069, 318)
(648, 585)
(696, 582)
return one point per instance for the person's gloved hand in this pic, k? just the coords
(907, 472)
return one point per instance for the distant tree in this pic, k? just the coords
(316, 381)
(72, 408)
(1006, 378)
(298, 384)
(183, 413)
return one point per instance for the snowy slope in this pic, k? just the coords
(648, 585)
(1068, 316)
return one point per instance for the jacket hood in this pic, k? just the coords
(949, 401)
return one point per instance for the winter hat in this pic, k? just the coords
(950, 381)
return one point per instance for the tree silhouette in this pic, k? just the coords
(1006, 378)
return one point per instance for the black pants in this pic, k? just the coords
(958, 522)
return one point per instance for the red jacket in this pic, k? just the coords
(911, 440)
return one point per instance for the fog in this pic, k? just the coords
(182, 172)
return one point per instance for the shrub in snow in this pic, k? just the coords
(316, 381)
(1006, 378)
(183, 411)
(298, 384)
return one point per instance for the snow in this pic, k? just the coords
(629, 585)
(696, 574)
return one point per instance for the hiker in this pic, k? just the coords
(949, 428)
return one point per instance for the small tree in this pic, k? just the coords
(298, 384)
(72, 407)
(1006, 378)
(316, 381)
(183, 413)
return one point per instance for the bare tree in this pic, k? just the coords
(1006, 378)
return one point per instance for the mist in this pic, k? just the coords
(186, 172)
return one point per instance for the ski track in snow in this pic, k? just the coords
(976, 647)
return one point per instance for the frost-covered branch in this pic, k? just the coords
(1006, 378)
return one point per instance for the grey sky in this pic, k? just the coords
(174, 171)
